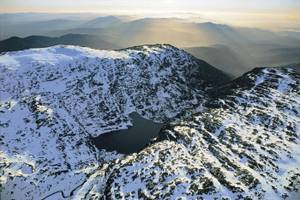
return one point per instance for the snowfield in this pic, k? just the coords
(236, 141)
(244, 145)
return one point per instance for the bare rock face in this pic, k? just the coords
(238, 141)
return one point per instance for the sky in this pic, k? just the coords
(145, 5)
(272, 14)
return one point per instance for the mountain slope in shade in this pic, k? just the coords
(223, 58)
(237, 61)
(295, 66)
(53, 100)
(16, 43)
(244, 145)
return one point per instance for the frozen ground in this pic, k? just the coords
(241, 141)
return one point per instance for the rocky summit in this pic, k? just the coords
(238, 140)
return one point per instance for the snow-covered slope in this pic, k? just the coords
(53, 100)
(245, 145)
(239, 141)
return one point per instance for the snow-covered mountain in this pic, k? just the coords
(54, 99)
(240, 140)
(244, 145)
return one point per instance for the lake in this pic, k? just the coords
(130, 140)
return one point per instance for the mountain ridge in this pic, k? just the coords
(239, 147)
(54, 99)
(36, 41)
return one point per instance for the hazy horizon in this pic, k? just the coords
(275, 15)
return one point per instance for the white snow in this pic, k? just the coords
(53, 99)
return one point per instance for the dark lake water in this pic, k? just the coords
(129, 140)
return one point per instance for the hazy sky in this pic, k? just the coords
(140, 5)
(273, 14)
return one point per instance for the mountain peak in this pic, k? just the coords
(67, 54)
(54, 100)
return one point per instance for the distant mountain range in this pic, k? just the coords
(24, 25)
(234, 50)
(16, 43)
(128, 32)
(102, 22)
(177, 32)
